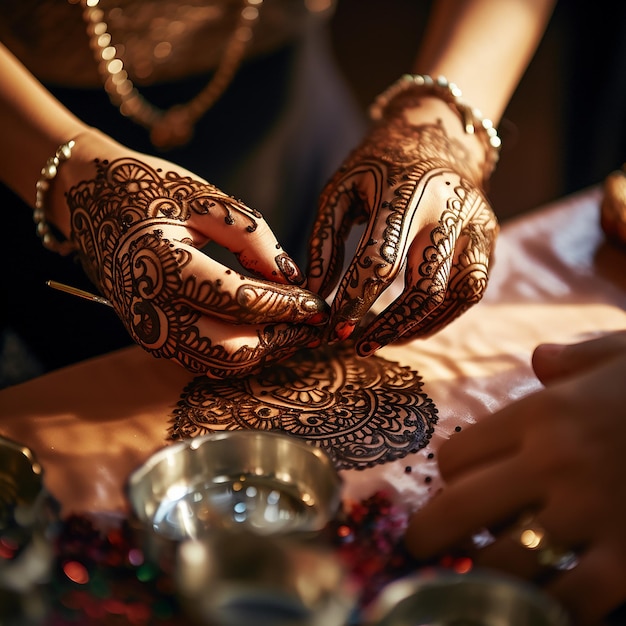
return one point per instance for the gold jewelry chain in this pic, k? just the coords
(172, 127)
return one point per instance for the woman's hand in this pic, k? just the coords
(416, 183)
(558, 456)
(137, 223)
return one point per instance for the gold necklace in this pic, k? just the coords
(172, 127)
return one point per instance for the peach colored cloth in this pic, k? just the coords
(555, 279)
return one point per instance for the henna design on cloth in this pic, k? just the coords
(363, 412)
(118, 219)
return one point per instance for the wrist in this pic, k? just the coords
(411, 89)
(90, 145)
(48, 234)
(51, 215)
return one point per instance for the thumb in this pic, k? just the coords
(552, 362)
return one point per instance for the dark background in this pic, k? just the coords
(565, 126)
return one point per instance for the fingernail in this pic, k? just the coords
(342, 331)
(550, 350)
(318, 319)
(289, 269)
(367, 348)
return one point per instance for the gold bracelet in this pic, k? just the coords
(472, 119)
(48, 173)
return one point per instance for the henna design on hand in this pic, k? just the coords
(443, 288)
(363, 412)
(397, 181)
(154, 282)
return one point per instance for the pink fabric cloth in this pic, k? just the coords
(555, 279)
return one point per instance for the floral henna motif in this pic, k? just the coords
(362, 412)
(468, 275)
(118, 219)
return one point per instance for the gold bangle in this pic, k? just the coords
(48, 173)
(472, 119)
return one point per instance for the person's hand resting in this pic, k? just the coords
(416, 183)
(137, 223)
(554, 460)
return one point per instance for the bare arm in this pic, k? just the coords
(34, 125)
(483, 46)
(137, 222)
(418, 179)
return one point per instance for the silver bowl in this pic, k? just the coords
(232, 579)
(259, 481)
(478, 598)
(28, 519)
(235, 517)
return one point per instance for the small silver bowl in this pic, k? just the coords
(258, 481)
(240, 578)
(478, 598)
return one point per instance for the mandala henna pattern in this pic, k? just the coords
(363, 412)
(406, 159)
(117, 221)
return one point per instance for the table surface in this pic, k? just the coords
(555, 279)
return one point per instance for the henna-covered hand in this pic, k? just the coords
(138, 222)
(416, 183)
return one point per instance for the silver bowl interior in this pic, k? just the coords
(260, 481)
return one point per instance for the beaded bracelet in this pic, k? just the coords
(472, 119)
(48, 173)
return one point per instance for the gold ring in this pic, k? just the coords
(529, 534)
